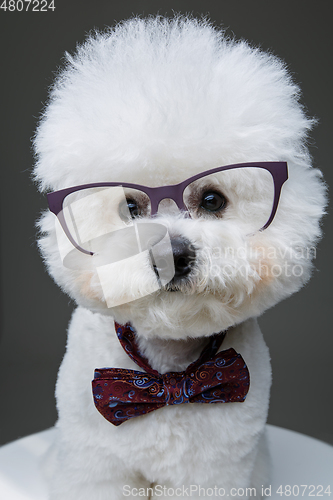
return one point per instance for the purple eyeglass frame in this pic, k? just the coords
(278, 170)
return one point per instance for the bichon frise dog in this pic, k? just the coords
(184, 205)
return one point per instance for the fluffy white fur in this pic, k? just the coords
(153, 102)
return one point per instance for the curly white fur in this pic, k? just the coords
(153, 102)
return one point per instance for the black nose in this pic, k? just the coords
(183, 256)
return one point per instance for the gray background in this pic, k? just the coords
(34, 312)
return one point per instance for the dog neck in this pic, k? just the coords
(171, 355)
(165, 355)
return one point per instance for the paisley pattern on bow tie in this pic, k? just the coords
(121, 394)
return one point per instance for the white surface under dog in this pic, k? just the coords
(296, 459)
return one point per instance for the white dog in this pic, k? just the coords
(154, 103)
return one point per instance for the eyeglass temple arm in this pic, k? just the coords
(280, 177)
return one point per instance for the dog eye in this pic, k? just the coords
(131, 207)
(213, 201)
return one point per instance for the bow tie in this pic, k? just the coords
(216, 377)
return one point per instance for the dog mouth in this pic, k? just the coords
(171, 287)
(179, 269)
(184, 285)
(184, 258)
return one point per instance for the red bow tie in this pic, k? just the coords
(121, 394)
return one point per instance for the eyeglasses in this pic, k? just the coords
(247, 192)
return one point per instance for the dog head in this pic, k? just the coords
(167, 145)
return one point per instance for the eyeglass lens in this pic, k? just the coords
(244, 195)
